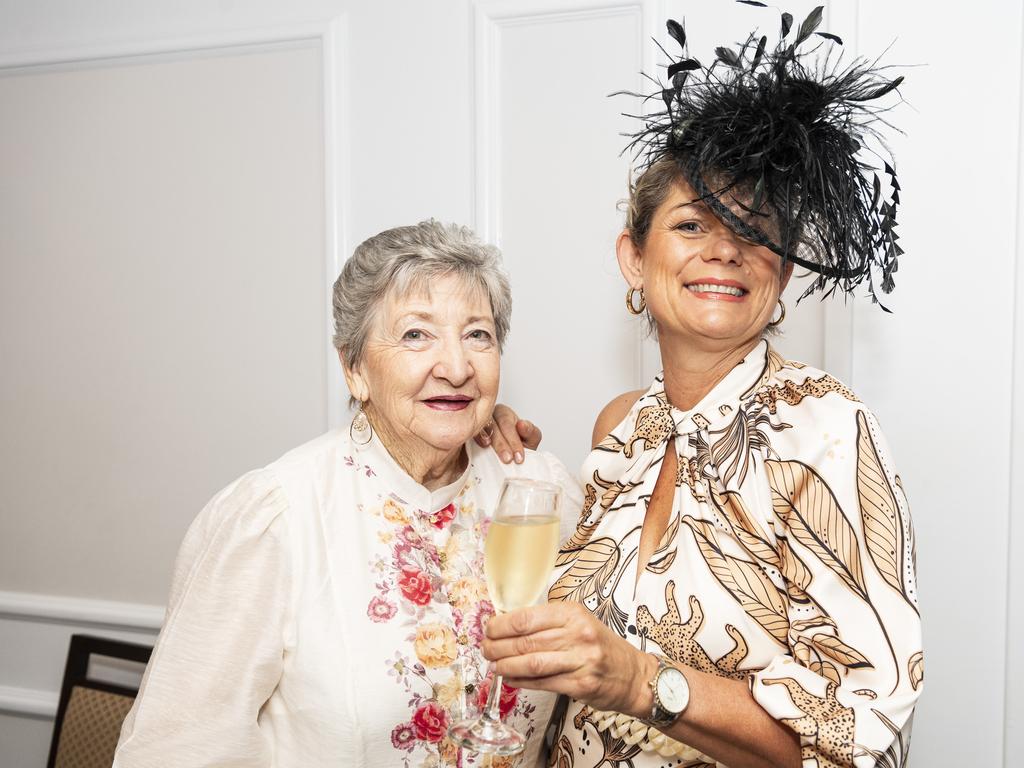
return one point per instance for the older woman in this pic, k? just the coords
(740, 588)
(327, 609)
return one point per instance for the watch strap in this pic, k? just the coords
(661, 717)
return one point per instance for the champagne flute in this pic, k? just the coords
(518, 558)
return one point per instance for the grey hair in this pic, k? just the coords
(402, 259)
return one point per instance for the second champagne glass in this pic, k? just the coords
(518, 557)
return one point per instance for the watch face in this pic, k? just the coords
(673, 690)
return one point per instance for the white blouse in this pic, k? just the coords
(788, 562)
(327, 610)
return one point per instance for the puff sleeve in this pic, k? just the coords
(220, 652)
(855, 668)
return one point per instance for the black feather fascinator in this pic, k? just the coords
(782, 144)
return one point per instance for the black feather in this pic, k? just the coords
(776, 143)
(879, 92)
(759, 53)
(811, 23)
(678, 33)
(667, 94)
(728, 56)
(686, 65)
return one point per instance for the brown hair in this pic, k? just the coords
(646, 194)
(648, 191)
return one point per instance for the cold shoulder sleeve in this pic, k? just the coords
(219, 654)
(854, 670)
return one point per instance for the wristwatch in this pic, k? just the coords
(671, 694)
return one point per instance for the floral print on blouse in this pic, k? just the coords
(326, 611)
(432, 586)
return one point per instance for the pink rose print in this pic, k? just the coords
(442, 517)
(403, 737)
(381, 610)
(401, 549)
(479, 620)
(506, 701)
(416, 587)
(409, 536)
(403, 557)
(430, 722)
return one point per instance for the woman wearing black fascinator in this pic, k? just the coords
(740, 589)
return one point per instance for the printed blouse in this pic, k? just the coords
(327, 610)
(788, 562)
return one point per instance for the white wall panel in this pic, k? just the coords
(202, 169)
(1013, 742)
(161, 230)
(1014, 713)
(411, 142)
(939, 370)
(553, 179)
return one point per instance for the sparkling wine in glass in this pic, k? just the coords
(519, 554)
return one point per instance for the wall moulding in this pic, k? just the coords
(28, 702)
(331, 36)
(105, 54)
(77, 611)
(41, 626)
(489, 18)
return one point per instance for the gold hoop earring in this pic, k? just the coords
(360, 429)
(629, 301)
(776, 323)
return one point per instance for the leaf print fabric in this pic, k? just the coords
(805, 504)
(886, 526)
(788, 561)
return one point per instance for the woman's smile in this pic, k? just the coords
(448, 402)
(713, 289)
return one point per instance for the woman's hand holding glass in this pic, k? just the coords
(562, 647)
(518, 557)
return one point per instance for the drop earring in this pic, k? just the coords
(360, 430)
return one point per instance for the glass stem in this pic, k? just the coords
(492, 711)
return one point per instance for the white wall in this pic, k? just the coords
(162, 232)
(181, 181)
(940, 373)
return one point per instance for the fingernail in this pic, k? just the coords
(519, 457)
(506, 456)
